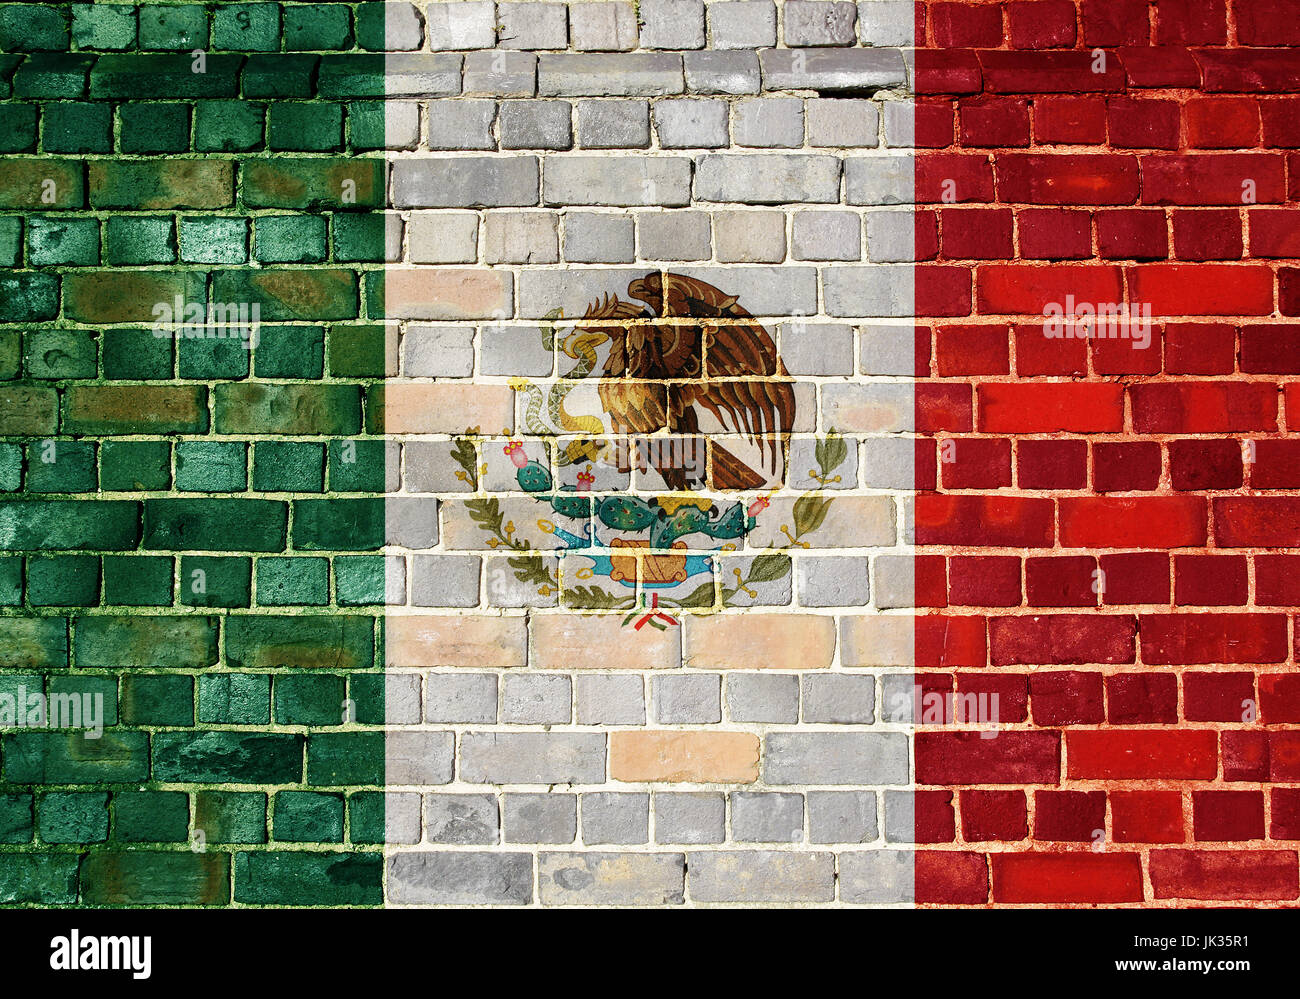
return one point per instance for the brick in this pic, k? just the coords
(761, 876)
(461, 878)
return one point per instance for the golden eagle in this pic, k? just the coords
(687, 359)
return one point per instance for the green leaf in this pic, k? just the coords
(768, 568)
(809, 512)
(831, 452)
(701, 596)
(465, 455)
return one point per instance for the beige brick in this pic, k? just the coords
(599, 641)
(423, 408)
(684, 757)
(447, 293)
(877, 640)
(437, 640)
(760, 641)
(851, 522)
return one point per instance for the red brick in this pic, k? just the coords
(1116, 22)
(1133, 522)
(947, 71)
(1191, 22)
(943, 408)
(1070, 120)
(932, 123)
(1136, 578)
(1132, 234)
(1224, 816)
(1039, 354)
(1225, 697)
(1054, 234)
(1283, 757)
(1225, 874)
(1066, 697)
(1069, 816)
(1010, 689)
(984, 580)
(1210, 178)
(930, 580)
(1124, 466)
(1028, 408)
(977, 233)
(1288, 291)
(1200, 348)
(1207, 234)
(1186, 639)
(950, 877)
(1146, 817)
(1270, 349)
(1130, 351)
(1141, 754)
(1061, 581)
(1047, 73)
(933, 818)
(1266, 22)
(993, 815)
(1027, 878)
(1142, 699)
(1275, 232)
(979, 463)
(1051, 464)
(1205, 464)
(964, 758)
(996, 521)
(1067, 179)
(926, 247)
(1222, 122)
(1280, 117)
(1249, 71)
(945, 640)
(965, 25)
(993, 121)
(1245, 756)
(1062, 638)
(943, 178)
(1279, 698)
(1041, 24)
(1160, 66)
(972, 350)
(1202, 289)
(1143, 124)
(1203, 407)
(1277, 580)
(1257, 521)
(1284, 807)
(1210, 580)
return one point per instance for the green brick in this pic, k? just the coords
(359, 579)
(78, 128)
(212, 581)
(129, 466)
(17, 128)
(235, 698)
(140, 241)
(211, 466)
(262, 408)
(208, 358)
(304, 183)
(60, 354)
(310, 700)
(291, 295)
(218, 525)
(173, 26)
(166, 77)
(11, 241)
(336, 641)
(247, 27)
(30, 27)
(63, 581)
(289, 239)
(366, 817)
(138, 580)
(102, 691)
(72, 758)
(279, 75)
(61, 467)
(305, 127)
(337, 759)
(358, 352)
(221, 757)
(11, 467)
(290, 352)
(300, 877)
(21, 700)
(307, 817)
(338, 524)
(56, 242)
(367, 125)
(284, 582)
(73, 817)
(214, 241)
(16, 818)
(11, 581)
(33, 642)
(154, 128)
(358, 466)
(136, 354)
(370, 26)
(157, 700)
(139, 877)
(228, 126)
(63, 525)
(151, 816)
(360, 238)
(28, 298)
(103, 26)
(22, 184)
(42, 878)
(230, 816)
(157, 642)
(288, 466)
(317, 27)
(58, 76)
